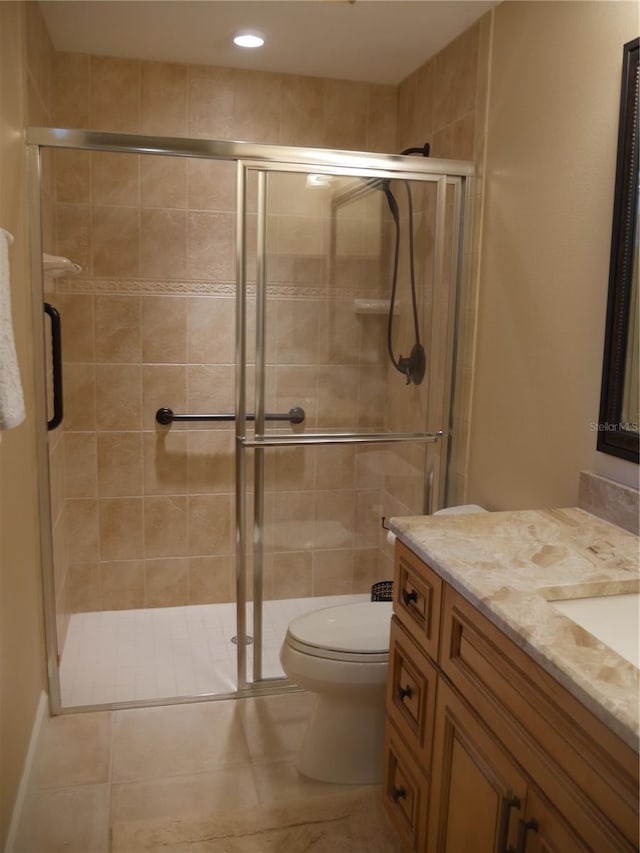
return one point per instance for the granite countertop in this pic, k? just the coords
(510, 565)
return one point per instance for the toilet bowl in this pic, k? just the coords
(341, 654)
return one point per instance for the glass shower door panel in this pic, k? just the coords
(340, 254)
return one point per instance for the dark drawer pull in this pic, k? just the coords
(507, 804)
(398, 794)
(408, 597)
(405, 693)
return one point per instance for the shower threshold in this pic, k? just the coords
(164, 652)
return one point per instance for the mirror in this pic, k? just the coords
(619, 422)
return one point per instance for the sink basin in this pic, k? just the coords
(613, 619)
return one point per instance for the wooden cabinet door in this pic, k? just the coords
(478, 793)
(542, 830)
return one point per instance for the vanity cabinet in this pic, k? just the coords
(484, 750)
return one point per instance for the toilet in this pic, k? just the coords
(341, 654)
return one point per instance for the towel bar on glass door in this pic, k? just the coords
(166, 416)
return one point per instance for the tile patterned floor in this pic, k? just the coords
(210, 777)
(127, 655)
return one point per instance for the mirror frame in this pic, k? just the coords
(613, 438)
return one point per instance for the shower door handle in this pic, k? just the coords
(56, 362)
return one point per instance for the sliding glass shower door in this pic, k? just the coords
(341, 281)
(346, 311)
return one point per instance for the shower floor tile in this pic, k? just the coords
(132, 655)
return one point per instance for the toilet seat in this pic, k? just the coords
(358, 633)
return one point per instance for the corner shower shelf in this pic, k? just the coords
(372, 306)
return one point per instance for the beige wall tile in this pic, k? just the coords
(332, 572)
(119, 464)
(72, 90)
(337, 396)
(345, 114)
(163, 385)
(211, 389)
(211, 330)
(335, 519)
(167, 582)
(79, 396)
(302, 111)
(163, 98)
(297, 386)
(72, 176)
(463, 137)
(83, 581)
(456, 78)
(407, 93)
(163, 243)
(292, 468)
(116, 241)
(80, 465)
(211, 185)
(115, 94)
(163, 181)
(366, 570)
(82, 533)
(211, 461)
(211, 240)
(211, 97)
(165, 462)
(290, 521)
(165, 526)
(368, 518)
(340, 333)
(336, 467)
(122, 584)
(210, 524)
(121, 528)
(73, 234)
(291, 575)
(115, 178)
(117, 329)
(298, 331)
(118, 404)
(256, 108)
(211, 579)
(382, 104)
(164, 328)
(77, 319)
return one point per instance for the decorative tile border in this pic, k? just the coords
(199, 287)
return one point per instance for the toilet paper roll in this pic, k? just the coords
(391, 538)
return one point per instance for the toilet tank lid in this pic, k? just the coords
(362, 627)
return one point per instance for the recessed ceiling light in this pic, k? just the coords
(249, 39)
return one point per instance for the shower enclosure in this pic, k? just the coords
(238, 416)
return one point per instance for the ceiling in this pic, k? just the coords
(377, 41)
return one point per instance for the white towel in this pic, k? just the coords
(11, 396)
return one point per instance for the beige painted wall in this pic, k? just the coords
(21, 644)
(551, 151)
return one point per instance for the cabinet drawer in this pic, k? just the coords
(416, 599)
(405, 792)
(582, 766)
(411, 694)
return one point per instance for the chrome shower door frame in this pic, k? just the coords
(247, 156)
(445, 175)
